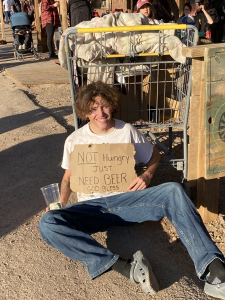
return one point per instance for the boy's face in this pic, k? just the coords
(100, 117)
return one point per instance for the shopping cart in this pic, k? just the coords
(155, 89)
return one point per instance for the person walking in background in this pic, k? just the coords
(30, 13)
(6, 6)
(15, 6)
(50, 21)
(79, 11)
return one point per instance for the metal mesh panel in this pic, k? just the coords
(155, 89)
(153, 94)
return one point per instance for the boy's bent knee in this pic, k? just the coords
(177, 194)
(174, 187)
(46, 224)
(47, 219)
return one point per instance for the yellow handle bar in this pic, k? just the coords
(131, 28)
(140, 54)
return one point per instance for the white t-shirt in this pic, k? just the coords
(122, 133)
(7, 5)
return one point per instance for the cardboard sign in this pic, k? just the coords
(102, 168)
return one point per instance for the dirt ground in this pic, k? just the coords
(35, 120)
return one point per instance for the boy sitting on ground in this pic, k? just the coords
(69, 229)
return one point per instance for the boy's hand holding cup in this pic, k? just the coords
(52, 196)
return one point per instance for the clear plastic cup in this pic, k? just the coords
(52, 196)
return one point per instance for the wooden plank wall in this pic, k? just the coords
(206, 149)
(194, 120)
(214, 110)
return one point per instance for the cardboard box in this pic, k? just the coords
(141, 94)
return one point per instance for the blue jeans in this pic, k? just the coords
(69, 229)
(7, 16)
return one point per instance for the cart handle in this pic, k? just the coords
(139, 54)
(129, 28)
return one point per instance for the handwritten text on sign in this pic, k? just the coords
(102, 168)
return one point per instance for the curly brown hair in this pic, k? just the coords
(87, 94)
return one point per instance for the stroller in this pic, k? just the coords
(23, 42)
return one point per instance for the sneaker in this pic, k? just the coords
(23, 46)
(20, 47)
(141, 272)
(215, 290)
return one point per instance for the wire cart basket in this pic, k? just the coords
(155, 89)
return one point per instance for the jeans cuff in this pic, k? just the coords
(102, 270)
(201, 274)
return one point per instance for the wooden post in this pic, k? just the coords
(207, 190)
(41, 34)
(194, 115)
(2, 21)
(207, 199)
(37, 24)
(181, 6)
(206, 156)
(63, 11)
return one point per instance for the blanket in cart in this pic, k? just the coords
(91, 45)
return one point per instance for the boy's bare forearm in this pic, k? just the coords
(65, 190)
(142, 182)
(153, 163)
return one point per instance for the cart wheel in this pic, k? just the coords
(37, 56)
(21, 58)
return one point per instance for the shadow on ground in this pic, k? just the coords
(166, 257)
(58, 113)
(30, 117)
(31, 165)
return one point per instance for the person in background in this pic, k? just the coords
(50, 21)
(217, 27)
(6, 8)
(30, 13)
(200, 15)
(79, 11)
(186, 11)
(15, 6)
(159, 11)
(145, 7)
(162, 11)
(22, 31)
